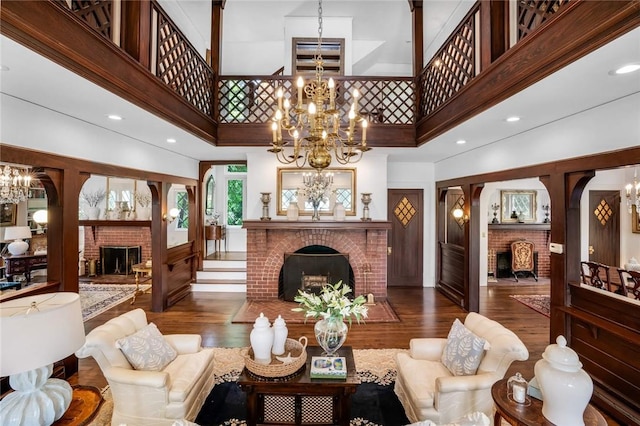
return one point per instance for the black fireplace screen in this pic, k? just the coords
(311, 271)
(119, 260)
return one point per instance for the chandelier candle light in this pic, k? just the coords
(635, 187)
(14, 184)
(316, 130)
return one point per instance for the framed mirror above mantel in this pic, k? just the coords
(290, 187)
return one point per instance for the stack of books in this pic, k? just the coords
(324, 367)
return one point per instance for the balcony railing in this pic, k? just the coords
(251, 100)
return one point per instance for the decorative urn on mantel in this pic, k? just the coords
(566, 388)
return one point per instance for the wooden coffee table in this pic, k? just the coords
(531, 415)
(301, 400)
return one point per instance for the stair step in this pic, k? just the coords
(220, 287)
(215, 264)
(221, 275)
(224, 269)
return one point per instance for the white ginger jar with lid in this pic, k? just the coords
(261, 338)
(280, 332)
(566, 388)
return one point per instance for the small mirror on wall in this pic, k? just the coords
(518, 206)
(635, 220)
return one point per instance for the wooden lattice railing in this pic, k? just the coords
(456, 63)
(179, 65)
(532, 13)
(452, 67)
(243, 99)
(96, 13)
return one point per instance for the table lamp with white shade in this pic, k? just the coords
(35, 332)
(17, 234)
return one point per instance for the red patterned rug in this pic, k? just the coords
(538, 302)
(380, 312)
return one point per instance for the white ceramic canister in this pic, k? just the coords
(292, 211)
(261, 338)
(280, 332)
(566, 388)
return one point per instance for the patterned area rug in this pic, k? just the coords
(97, 298)
(374, 366)
(251, 309)
(538, 302)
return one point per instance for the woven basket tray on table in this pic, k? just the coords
(277, 369)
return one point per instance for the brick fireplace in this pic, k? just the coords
(501, 236)
(365, 243)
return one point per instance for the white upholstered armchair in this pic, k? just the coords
(427, 388)
(173, 393)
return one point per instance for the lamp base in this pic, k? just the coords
(18, 247)
(37, 400)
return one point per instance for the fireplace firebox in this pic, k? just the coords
(119, 260)
(311, 268)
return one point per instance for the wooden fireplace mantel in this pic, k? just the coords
(322, 224)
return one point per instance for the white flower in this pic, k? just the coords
(331, 303)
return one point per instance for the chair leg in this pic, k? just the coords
(515, 276)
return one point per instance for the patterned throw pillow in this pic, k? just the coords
(146, 349)
(463, 352)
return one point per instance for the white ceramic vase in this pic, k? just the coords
(566, 388)
(292, 211)
(280, 332)
(261, 338)
(144, 213)
(93, 213)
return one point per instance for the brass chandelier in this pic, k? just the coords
(316, 130)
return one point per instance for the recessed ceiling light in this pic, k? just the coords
(461, 141)
(626, 69)
(114, 117)
(171, 140)
(513, 119)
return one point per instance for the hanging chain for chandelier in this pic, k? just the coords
(316, 130)
(14, 184)
(633, 191)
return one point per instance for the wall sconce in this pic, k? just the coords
(173, 214)
(458, 214)
(40, 218)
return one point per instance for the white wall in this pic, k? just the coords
(27, 125)
(574, 136)
(420, 176)
(610, 180)
(435, 29)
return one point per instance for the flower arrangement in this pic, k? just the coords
(142, 198)
(93, 198)
(332, 302)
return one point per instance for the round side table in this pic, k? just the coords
(530, 415)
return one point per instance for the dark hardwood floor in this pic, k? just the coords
(423, 312)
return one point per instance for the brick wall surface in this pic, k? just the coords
(367, 250)
(116, 236)
(500, 241)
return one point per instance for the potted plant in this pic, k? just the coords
(93, 199)
(332, 306)
(144, 201)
